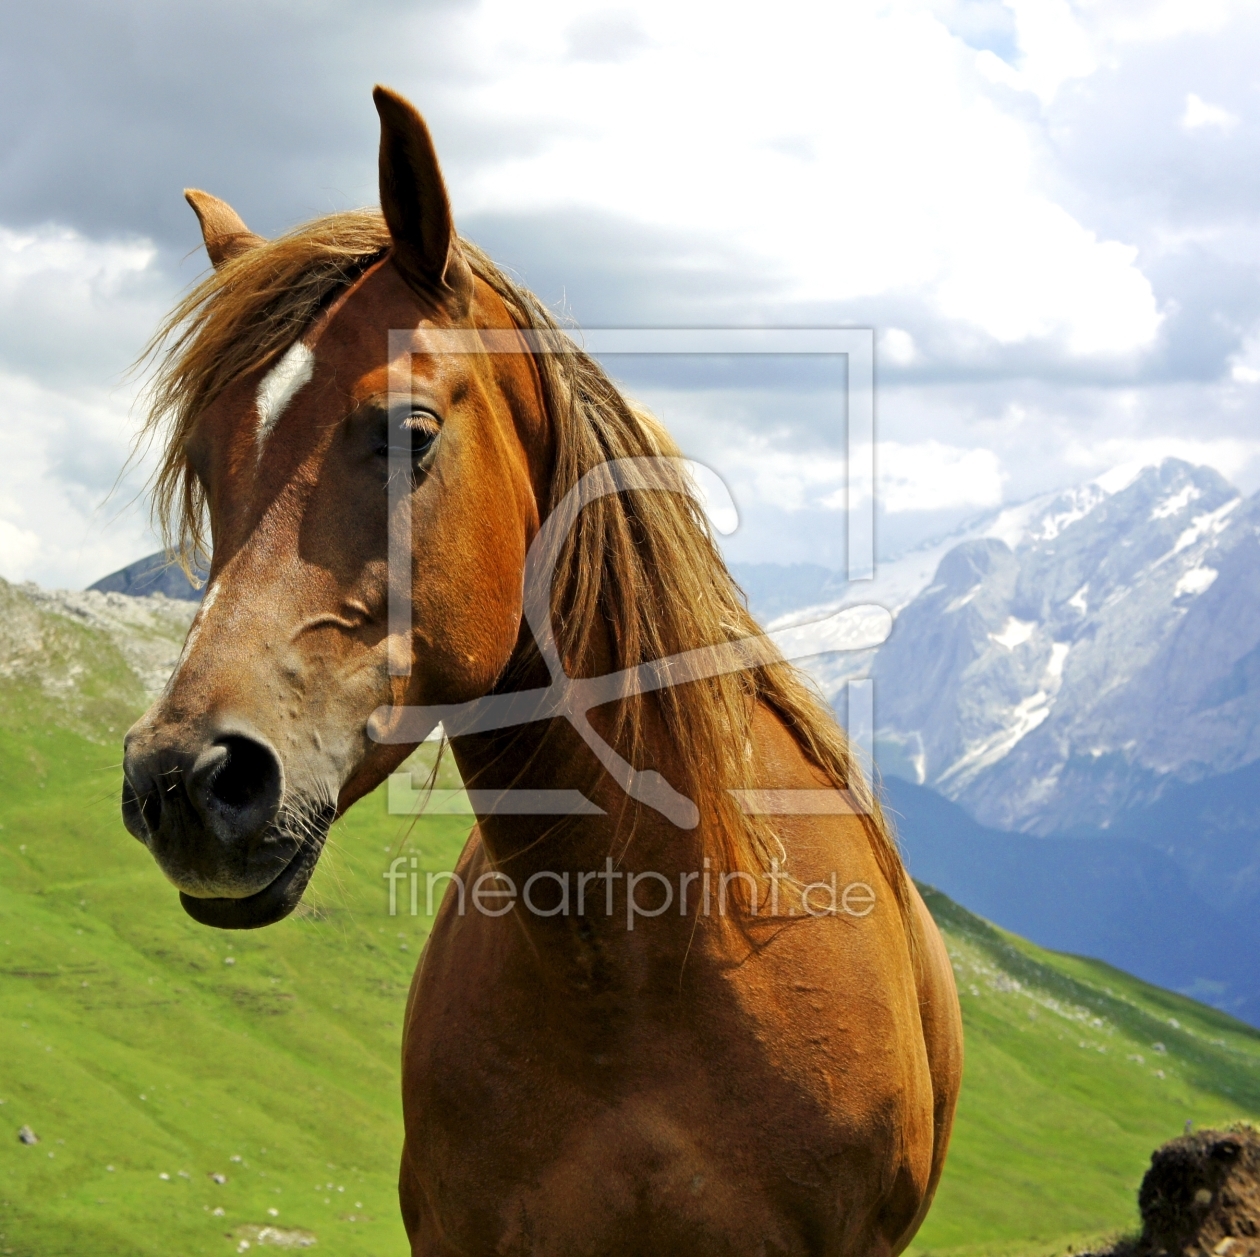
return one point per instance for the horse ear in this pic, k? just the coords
(226, 236)
(416, 208)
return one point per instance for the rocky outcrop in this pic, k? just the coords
(87, 662)
(1200, 1198)
(147, 631)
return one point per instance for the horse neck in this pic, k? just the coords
(552, 756)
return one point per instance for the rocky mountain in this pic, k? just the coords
(788, 595)
(1067, 712)
(1053, 665)
(1072, 670)
(1060, 662)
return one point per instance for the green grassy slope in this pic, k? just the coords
(132, 1038)
(1075, 1072)
(134, 1049)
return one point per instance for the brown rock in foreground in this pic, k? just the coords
(1200, 1198)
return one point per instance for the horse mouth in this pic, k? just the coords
(267, 906)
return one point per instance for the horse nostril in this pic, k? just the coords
(247, 778)
(230, 788)
(142, 809)
(151, 810)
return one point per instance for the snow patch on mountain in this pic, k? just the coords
(899, 581)
(1195, 581)
(1213, 522)
(1175, 503)
(1014, 632)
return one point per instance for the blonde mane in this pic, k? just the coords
(640, 567)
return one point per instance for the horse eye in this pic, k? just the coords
(414, 435)
(422, 427)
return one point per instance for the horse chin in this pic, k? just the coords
(265, 907)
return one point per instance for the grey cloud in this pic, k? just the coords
(70, 331)
(108, 111)
(1189, 199)
(89, 462)
(604, 270)
(1212, 302)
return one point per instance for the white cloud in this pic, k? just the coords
(1200, 114)
(1244, 366)
(60, 453)
(846, 158)
(930, 476)
(790, 481)
(73, 313)
(95, 267)
(850, 152)
(1053, 47)
(897, 346)
(72, 308)
(18, 548)
(1118, 22)
(922, 476)
(1036, 270)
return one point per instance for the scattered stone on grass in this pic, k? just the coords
(271, 1236)
(27, 1136)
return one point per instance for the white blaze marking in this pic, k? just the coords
(280, 385)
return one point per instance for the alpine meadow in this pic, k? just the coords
(153, 1057)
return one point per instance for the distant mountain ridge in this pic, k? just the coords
(1053, 664)
(154, 574)
(1068, 717)
(1057, 663)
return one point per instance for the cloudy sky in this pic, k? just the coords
(1047, 210)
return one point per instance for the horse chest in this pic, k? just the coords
(661, 1171)
(549, 1122)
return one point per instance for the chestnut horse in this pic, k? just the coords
(707, 1079)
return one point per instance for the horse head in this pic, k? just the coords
(297, 441)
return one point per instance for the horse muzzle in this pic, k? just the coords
(211, 812)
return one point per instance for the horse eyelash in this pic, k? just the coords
(425, 422)
(427, 419)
